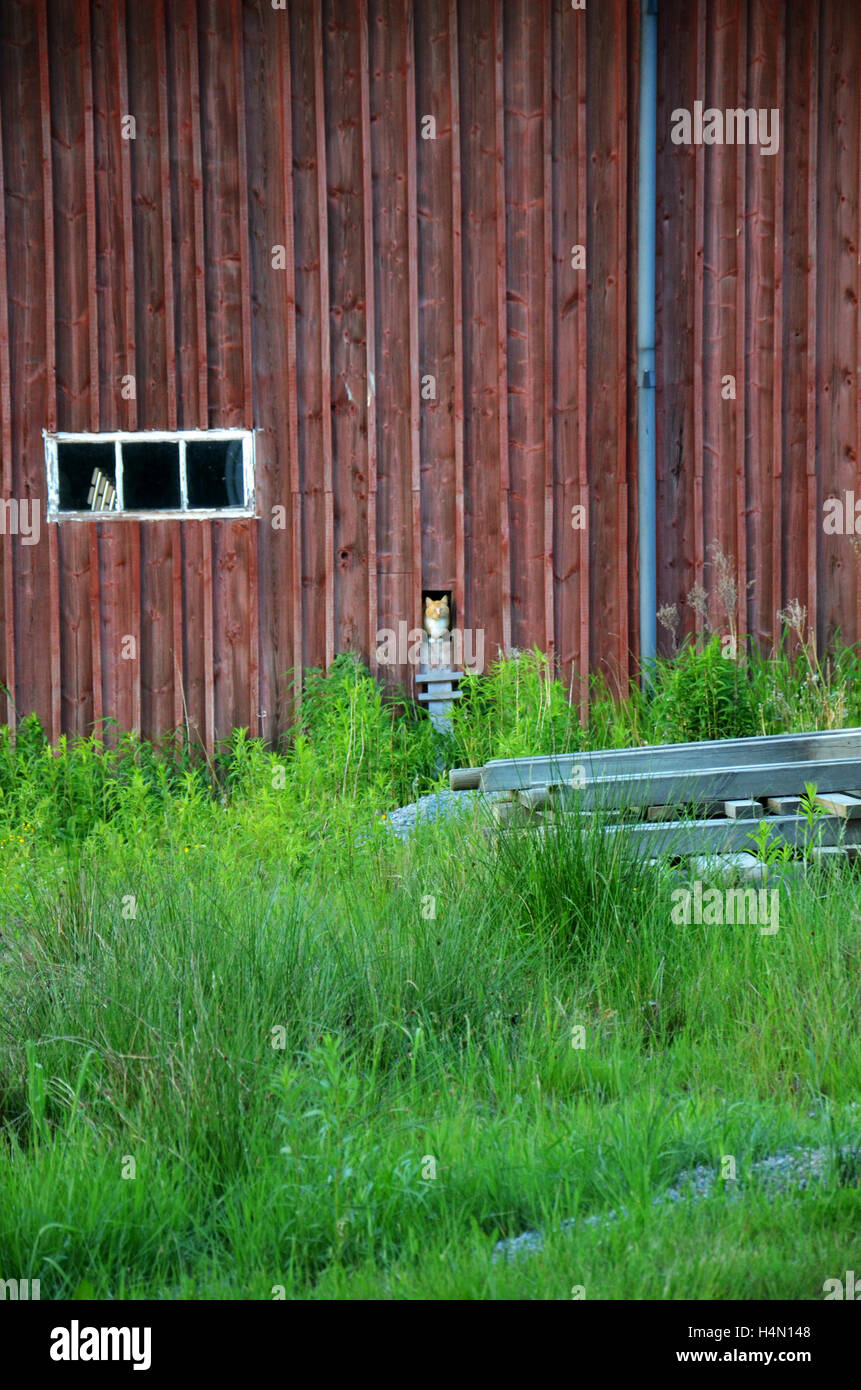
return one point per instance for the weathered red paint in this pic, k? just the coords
(151, 259)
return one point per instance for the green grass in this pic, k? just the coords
(344, 1067)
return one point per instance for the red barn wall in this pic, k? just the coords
(302, 127)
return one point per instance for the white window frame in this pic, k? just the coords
(120, 437)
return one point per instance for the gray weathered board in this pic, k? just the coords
(723, 755)
(681, 839)
(690, 786)
(735, 775)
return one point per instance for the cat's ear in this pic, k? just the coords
(428, 602)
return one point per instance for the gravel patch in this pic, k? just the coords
(437, 806)
(795, 1170)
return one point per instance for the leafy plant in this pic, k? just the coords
(702, 694)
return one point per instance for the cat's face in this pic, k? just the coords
(436, 607)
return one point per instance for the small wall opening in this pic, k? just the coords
(441, 607)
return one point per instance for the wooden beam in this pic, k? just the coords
(580, 279)
(50, 359)
(413, 294)
(549, 336)
(286, 106)
(817, 749)
(813, 522)
(699, 293)
(128, 244)
(325, 353)
(457, 315)
(208, 643)
(166, 230)
(502, 328)
(777, 380)
(740, 366)
(6, 448)
(244, 246)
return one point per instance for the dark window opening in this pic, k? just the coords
(213, 471)
(87, 477)
(151, 477)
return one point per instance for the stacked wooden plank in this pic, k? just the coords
(684, 799)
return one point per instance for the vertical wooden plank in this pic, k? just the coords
(253, 601)
(632, 277)
(224, 189)
(413, 298)
(777, 518)
(606, 251)
(799, 39)
(196, 594)
(90, 203)
(92, 538)
(571, 557)
(50, 356)
(121, 48)
(244, 272)
(177, 611)
(292, 383)
(95, 625)
(811, 279)
(679, 316)
(435, 299)
(252, 594)
(582, 282)
(208, 640)
(549, 337)
(370, 327)
(110, 542)
(526, 328)
(165, 205)
(73, 196)
(307, 322)
(113, 272)
(199, 254)
(457, 314)
(151, 558)
(395, 537)
(6, 447)
(157, 659)
(325, 348)
(266, 46)
(701, 39)
(136, 665)
(763, 220)
(741, 535)
(621, 199)
(723, 419)
(349, 328)
(483, 248)
(838, 309)
(502, 328)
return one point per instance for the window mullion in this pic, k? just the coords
(118, 460)
(183, 478)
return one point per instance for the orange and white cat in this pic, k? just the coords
(437, 617)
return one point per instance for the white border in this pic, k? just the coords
(120, 437)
